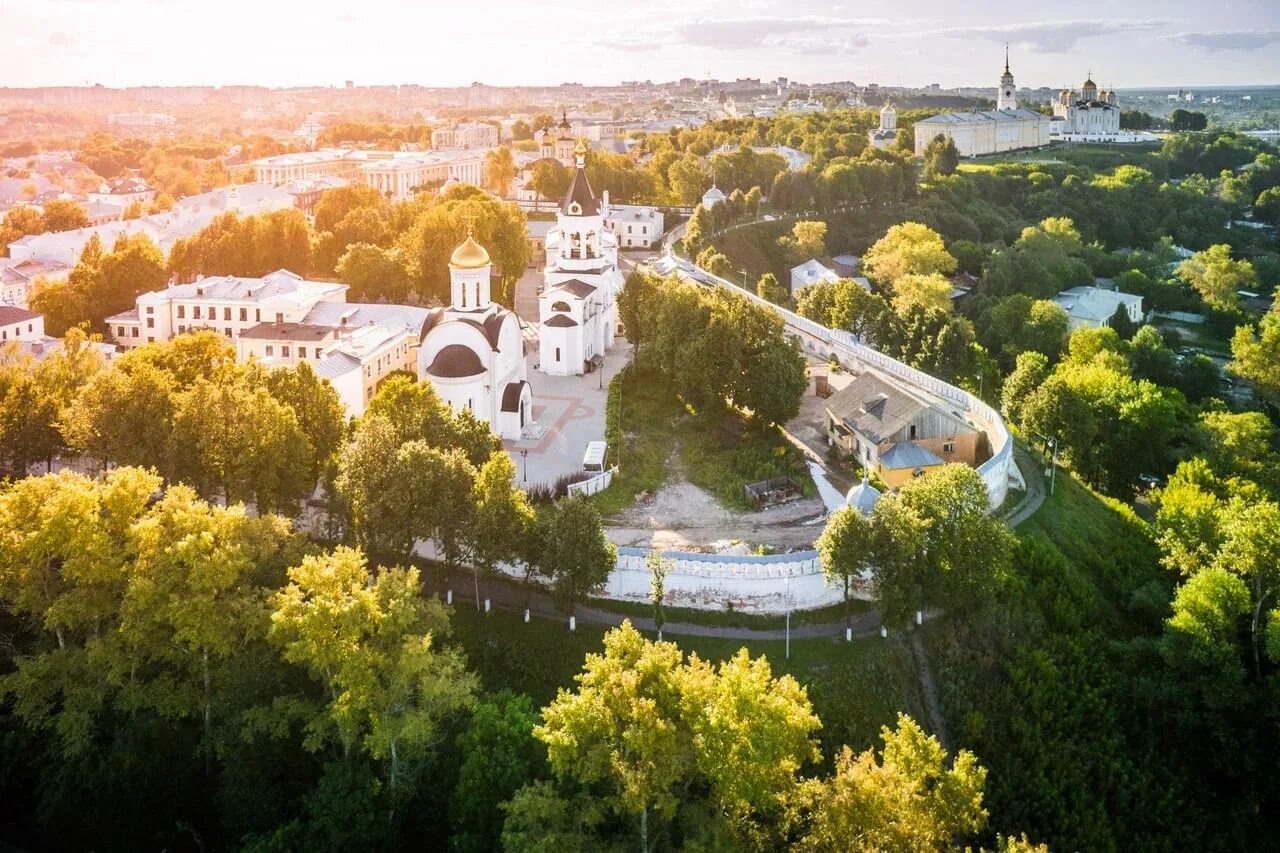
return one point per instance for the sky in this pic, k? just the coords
(1124, 43)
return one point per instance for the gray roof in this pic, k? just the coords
(908, 454)
(873, 408)
(287, 332)
(368, 313)
(576, 286)
(985, 115)
(336, 365)
(580, 191)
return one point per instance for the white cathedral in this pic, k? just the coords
(1006, 128)
(577, 308)
(1087, 115)
(472, 351)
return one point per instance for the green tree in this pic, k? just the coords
(63, 215)
(906, 799)
(930, 292)
(123, 416)
(499, 170)
(375, 273)
(1216, 277)
(845, 549)
(769, 288)
(658, 566)
(374, 646)
(316, 406)
(906, 249)
(499, 756)
(940, 157)
(550, 179)
(575, 554)
(1255, 352)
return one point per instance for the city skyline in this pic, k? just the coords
(144, 42)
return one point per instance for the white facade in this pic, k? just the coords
(577, 309)
(1087, 116)
(473, 352)
(475, 134)
(1094, 307)
(396, 174)
(635, 226)
(712, 197)
(19, 324)
(886, 134)
(17, 278)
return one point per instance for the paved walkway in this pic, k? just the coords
(1033, 473)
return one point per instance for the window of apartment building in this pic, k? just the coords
(949, 447)
(279, 317)
(151, 309)
(213, 312)
(284, 352)
(257, 315)
(226, 313)
(228, 331)
(182, 311)
(151, 339)
(302, 352)
(119, 331)
(271, 350)
(195, 312)
(244, 314)
(151, 322)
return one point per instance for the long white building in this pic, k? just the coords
(396, 174)
(1006, 128)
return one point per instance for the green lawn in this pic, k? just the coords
(735, 618)
(855, 687)
(719, 454)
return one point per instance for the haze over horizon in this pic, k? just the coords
(1144, 43)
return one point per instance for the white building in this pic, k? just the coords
(809, 273)
(886, 134)
(123, 192)
(712, 197)
(1005, 128)
(1094, 307)
(186, 218)
(19, 324)
(151, 120)
(635, 226)
(396, 174)
(227, 304)
(577, 309)
(1087, 116)
(473, 352)
(18, 276)
(474, 134)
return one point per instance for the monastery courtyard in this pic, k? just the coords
(568, 411)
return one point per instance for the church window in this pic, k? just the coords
(557, 353)
(182, 311)
(912, 432)
(464, 297)
(560, 306)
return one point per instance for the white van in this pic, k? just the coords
(593, 459)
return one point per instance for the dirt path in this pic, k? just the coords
(681, 515)
(929, 689)
(1033, 473)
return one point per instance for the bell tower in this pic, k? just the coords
(1007, 94)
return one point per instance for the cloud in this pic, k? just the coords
(1227, 39)
(60, 39)
(798, 33)
(1048, 36)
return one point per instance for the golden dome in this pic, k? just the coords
(581, 148)
(469, 255)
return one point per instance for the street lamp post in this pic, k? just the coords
(1053, 464)
(524, 465)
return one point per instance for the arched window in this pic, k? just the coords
(560, 306)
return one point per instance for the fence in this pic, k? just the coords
(595, 484)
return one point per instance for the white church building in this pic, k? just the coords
(472, 351)
(1086, 116)
(577, 308)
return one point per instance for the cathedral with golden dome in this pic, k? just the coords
(472, 351)
(1088, 115)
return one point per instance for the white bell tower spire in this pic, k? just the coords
(1007, 94)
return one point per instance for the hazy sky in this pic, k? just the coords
(1125, 43)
